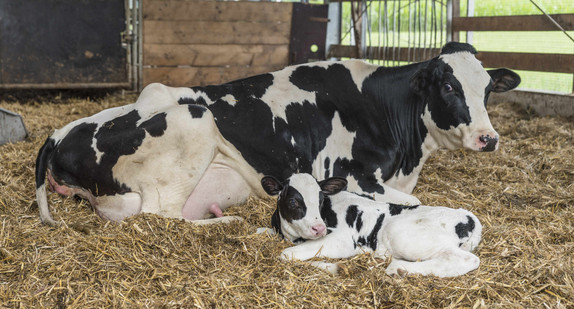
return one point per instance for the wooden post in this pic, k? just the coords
(357, 16)
(455, 13)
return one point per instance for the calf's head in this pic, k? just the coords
(298, 213)
(456, 87)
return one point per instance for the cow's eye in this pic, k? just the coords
(448, 87)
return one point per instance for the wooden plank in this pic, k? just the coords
(513, 23)
(558, 63)
(381, 53)
(215, 55)
(202, 32)
(217, 11)
(201, 76)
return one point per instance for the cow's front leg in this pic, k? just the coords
(395, 196)
(447, 263)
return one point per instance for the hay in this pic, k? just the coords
(523, 194)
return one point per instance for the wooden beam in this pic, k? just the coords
(513, 23)
(201, 76)
(558, 63)
(217, 11)
(215, 55)
(204, 32)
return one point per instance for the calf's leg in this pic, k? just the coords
(447, 263)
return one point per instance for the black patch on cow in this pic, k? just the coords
(351, 216)
(447, 108)
(464, 229)
(354, 217)
(156, 125)
(291, 204)
(359, 224)
(196, 111)
(327, 166)
(371, 240)
(185, 100)
(454, 47)
(395, 209)
(327, 214)
(74, 162)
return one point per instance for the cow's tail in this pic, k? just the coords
(41, 168)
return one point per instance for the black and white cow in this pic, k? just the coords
(337, 224)
(373, 125)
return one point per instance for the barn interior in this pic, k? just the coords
(523, 193)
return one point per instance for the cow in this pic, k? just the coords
(329, 222)
(373, 125)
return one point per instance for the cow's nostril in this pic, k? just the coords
(489, 142)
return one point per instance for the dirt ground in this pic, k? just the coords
(523, 194)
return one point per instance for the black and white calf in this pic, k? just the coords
(337, 224)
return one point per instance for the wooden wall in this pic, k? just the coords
(192, 43)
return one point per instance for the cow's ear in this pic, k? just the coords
(271, 185)
(504, 79)
(333, 185)
(420, 82)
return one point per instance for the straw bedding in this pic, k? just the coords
(523, 195)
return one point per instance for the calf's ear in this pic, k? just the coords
(504, 79)
(333, 185)
(271, 185)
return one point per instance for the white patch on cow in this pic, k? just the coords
(292, 141)
(283, 93)
(230, 99)
(360, 70)
(474, 80)
(338, 145)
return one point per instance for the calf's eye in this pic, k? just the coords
(293, 203)
(448, 87)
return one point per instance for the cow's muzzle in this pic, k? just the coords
(488, 143)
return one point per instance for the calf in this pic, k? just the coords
(421, 239)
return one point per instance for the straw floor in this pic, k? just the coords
(523, 194)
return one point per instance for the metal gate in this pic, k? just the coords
(66, 44)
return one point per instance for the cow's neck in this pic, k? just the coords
(410, 140)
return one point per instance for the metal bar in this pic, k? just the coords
(139, 39)
(65, 85)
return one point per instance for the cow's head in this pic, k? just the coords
(298, 213)
(456, 87)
